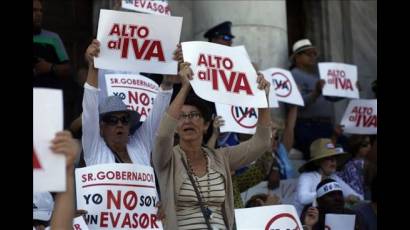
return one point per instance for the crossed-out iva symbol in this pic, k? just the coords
(281, 84)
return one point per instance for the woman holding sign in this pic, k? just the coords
(194, 179)
(107, 124)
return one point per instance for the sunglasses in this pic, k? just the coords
(227, 38)
(113, 120)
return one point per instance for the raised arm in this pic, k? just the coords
(90, 115)
(165, 135)
(217, 122)
(146, 133)
(250, 150)
(289, 132)
(64, 209)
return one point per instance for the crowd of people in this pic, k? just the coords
(203, 175)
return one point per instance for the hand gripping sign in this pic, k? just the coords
(137, 92)
(283, 86)
(340, 79)
(48, 167)
(360, 117)
(339, 222)
(137, 42)
(118, 196)
(274, 217)
(223, 74)
(147, 6)
(237, 119)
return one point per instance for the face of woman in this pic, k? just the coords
(328, 165)
(191, 125)
(365, 147)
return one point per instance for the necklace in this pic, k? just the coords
(191, 171)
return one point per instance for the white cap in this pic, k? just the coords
(43, 204)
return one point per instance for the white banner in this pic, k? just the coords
(339, 222)
(360, 117)
(48, 168)
(237, 119)
(283, 86)
(137, 42)
(340, 79)
(137, 92)
(267, 217)
(147, 6)
(223, 74)
(118, 196)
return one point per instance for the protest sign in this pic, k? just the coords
(283, 86)
(78, 224)
(339, 222)
(360, 117)
(136, 91)
(340, 79)
(147, 6)
(268, 218)
(137, 42)
(223, 74)
(118, 196)
(48, 167)
(237, 119)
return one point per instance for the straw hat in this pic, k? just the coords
(323, 148)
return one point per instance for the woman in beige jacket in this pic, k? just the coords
(195, 182)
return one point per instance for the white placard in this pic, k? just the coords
(48, 168)
(339, 222)
(137, 42)
(79, 224)
(237, 119)
(340, 79)
(138, 92)
(267, 217)
(147, 6)
(223, 74)
(360, 117)
(283, 87)
(118, 196)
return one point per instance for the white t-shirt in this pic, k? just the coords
(140, 143)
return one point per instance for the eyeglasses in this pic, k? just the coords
(113, 120)
(190, 116)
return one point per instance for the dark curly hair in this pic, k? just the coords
(200, 104)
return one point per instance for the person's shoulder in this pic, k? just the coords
(361, 207)
(49, 33)
(308, 174)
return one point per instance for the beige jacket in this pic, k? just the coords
(171, 172)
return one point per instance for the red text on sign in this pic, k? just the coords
(338, 78)
(219, 69)
(144, 49)
(123, 220)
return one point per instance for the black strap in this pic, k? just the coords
(116, 156)
(201, 203)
